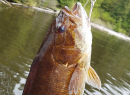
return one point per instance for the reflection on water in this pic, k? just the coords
(21, 33)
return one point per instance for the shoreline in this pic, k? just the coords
(47, 10)
(99, 27)
(110, 32)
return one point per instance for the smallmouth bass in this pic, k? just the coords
(62, 64)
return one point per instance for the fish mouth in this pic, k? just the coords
(77, 11)
(77, 14)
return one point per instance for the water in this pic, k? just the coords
(110, 58)
(21, 33)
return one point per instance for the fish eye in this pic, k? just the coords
(61, 29)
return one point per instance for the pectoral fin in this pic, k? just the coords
(77, 81)
(92, 78)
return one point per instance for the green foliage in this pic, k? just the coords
(119, 10)
(106, 17)
(68, 3)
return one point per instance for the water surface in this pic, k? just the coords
(21, 33)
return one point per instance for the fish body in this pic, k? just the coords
(62, 64)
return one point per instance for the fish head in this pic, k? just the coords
(72, 36)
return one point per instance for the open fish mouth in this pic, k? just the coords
(75, 15)
(77, 11)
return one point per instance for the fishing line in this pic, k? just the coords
(86, 3)
(92, 5)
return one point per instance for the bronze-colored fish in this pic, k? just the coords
(62, 64)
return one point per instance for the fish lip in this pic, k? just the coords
(75, 15)
(77, 7)
(68, 12)
(76, 11)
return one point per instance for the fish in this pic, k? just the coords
(62, 64)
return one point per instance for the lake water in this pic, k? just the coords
(21, 33)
